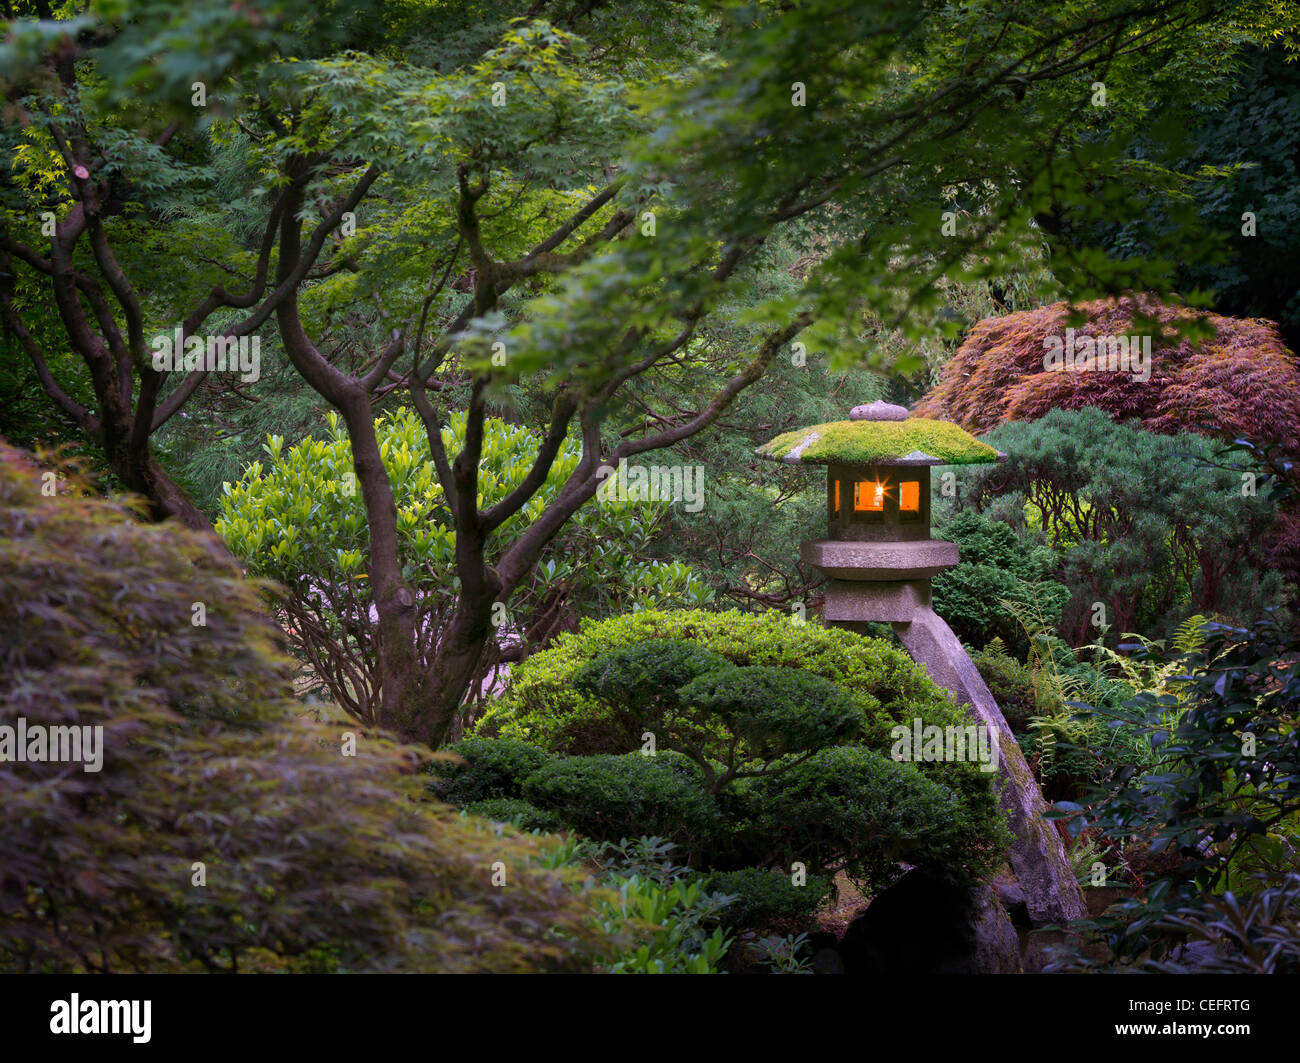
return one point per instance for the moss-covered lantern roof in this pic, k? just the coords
(880, 434)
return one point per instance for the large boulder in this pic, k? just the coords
(924, 924)
(1037, 854)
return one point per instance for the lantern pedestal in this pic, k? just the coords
(859, 561)
(887, 601)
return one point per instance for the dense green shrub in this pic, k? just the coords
(1140, 522)
(514, 810)
(854, 808)
(775, 710)
(783, 691)
(990, 542)
(996, 565)
(641, 674)
(310, 859)
(714, 712)
(543, 705)
(764, 896)
(608, 797)
(1010, 682)
(971, 599)
(490, 768)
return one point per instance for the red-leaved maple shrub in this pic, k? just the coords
(1242, 382)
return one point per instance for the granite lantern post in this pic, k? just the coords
(879, 558)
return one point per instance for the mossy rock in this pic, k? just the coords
(915, 441)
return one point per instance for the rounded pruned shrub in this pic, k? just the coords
(853, 808)
(772, 753)
(762, 897)
(491, 768)
(543, 704)
(514, 810)
(775, 710)
(608, 798)
(641, 674)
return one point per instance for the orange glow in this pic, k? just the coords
(869, 496)
(909, 497)
(837, 496)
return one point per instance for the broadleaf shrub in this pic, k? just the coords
(300, 520)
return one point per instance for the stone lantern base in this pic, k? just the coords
(877, 582)
(889, 582)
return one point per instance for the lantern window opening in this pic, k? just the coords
(909, 500)
(869, 496)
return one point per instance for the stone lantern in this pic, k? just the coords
(879, 558)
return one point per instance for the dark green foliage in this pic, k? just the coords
(635, 677)
(1255, 934)
(513, 810)
(743, 733)
(1139, 521)
(1224, 796)
(997, 564)
(1258, 128)
(764, 896)
(611, 797)
(544, 705)
(853, 808)
(1255, 134)
(683, 694)
(314, 860)
(1010, 682)
(775, 710)
(993, 543)
(1227, 792)
(493, 768)
(969, 598)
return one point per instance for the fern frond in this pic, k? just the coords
(1190, 635)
